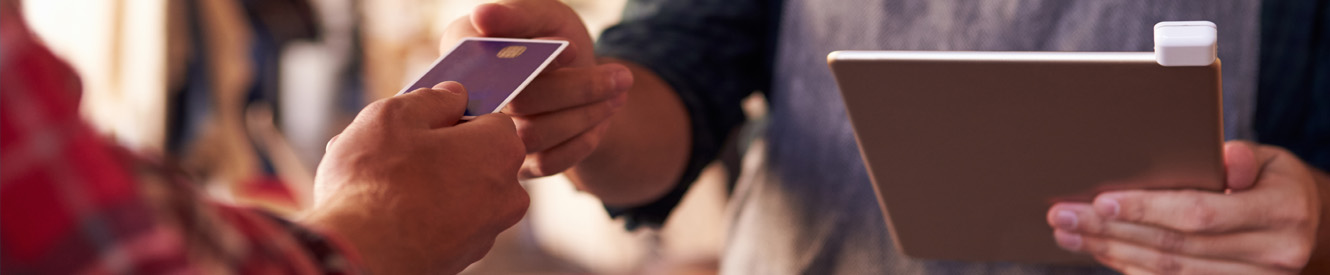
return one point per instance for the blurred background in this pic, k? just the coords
(244, 94)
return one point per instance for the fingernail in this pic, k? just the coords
(327, 147)
(1065, 220)
(450, 86)
(1069, 241)
(622, 79)
(1107, 207)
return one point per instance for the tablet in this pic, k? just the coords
(968, 150)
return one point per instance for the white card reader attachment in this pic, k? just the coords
(1185, 43)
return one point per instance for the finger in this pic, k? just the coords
(450, 111)
(493, 123)
(530, 19)
(1079, 218)
(495, 129)
(1188, 211)
(463, 28)
(1260, 248)
(420, 108)
(455, 32)
(566, 57)
(1122, 267)
(1241, 165)
(541, 132)
(565, 155)
(571, 87)
(1129, 256)
(524, 19)
(328, 147)
(454, 88)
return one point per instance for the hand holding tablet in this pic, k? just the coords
(1266, 224)
(991, 140)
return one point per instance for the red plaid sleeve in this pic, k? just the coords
(70, 203)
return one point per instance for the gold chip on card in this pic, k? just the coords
(511, 51)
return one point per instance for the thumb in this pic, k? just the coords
(441, 106)
(1241, 165)
(528, 19)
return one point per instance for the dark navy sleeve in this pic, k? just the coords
(713, 53)
(1293, 96)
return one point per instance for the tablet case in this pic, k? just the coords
(967, 150)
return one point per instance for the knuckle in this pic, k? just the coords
(389, 107)
(596, 85)
(1170, 241)
(528, 135)
(374, 109)
(1289, 259)
(1297, 214)
(1126, 205)
(1198, 218)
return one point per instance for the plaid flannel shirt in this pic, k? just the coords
(72, 203)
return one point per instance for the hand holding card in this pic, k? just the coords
(564, 113)
(494, 70)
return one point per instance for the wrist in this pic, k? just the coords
(348, 225)
(328, 250)
(385, 235)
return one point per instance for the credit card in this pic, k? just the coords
(493, 70)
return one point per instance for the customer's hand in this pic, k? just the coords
(564, 113)
(1266, 225)
(414, 191)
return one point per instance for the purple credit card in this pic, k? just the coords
(493, 70)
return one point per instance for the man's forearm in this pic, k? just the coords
(644, 152)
